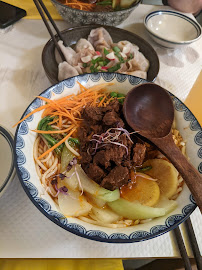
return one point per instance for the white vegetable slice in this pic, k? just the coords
(135, 210)
(105, 215)
(71, 182)
(96, 201)
(86, 59)
(110, 56)
(166, 175)
(93, 188)
(66, 157)
(168, 205)
(73, 204)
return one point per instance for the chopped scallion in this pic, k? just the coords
(113, 94)
(106, 51)
(114, 68)
(116, 49)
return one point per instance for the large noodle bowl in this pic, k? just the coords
(96, 168)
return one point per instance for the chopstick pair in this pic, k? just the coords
(42, 9)
(193, 243)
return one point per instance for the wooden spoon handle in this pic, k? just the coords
(190, 175)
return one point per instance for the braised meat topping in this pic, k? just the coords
(116, 178)
(107, 150)
(139, 152)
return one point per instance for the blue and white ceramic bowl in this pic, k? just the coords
(81, 17)
(24, 141)
(172, 29)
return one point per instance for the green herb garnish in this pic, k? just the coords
(116, 49)
(106, 51)
(74, 140)
(113, 94)
(114, 68)
(144, 169)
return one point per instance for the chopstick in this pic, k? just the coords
(182, 248)
(193, 242)
(38, 3)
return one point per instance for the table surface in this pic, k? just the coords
(24, 231)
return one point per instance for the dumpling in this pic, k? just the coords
(139, 62)
(100, 38)
(84, 44)
(68, 53)
(126, 47)
(65, 71)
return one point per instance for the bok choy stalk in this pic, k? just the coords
(44, 125)
(136, 210)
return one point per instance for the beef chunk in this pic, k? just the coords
(97, 129)
(102, 158)
(109, 163)
(112, 119)
(116, 178)
(85, 157)
(114, 105)
(139, 152)
(93, 114)
(83, 133)
(115, 153)
(94, 172)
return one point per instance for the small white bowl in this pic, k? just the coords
(171, 29)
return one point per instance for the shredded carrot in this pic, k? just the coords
(54, 121)
(69, 108)
(79, 5)
(82, 88)
(108, 101)
(57, 144)
(29, 114)
(101, 102)
(60, 121)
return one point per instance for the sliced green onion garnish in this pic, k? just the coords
(116, 49)
(113, 94)
(144, 169)
(106, 51)
(119, 57)
(74, 140)
(105, 62)
(114, 68)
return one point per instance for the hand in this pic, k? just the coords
(188, 6)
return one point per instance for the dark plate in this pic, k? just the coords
(72, 35)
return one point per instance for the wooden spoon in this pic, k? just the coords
(148, 109)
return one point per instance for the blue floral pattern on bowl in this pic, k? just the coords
(82, 17)
(28, 176)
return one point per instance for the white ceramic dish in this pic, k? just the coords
(172, 29)
(24, 141)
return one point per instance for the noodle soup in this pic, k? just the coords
(98, 170)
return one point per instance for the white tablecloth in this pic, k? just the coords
(24, 231)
